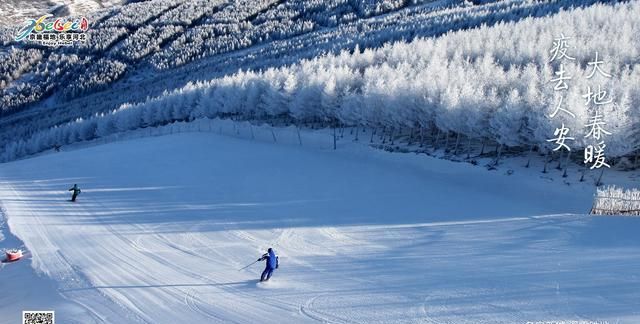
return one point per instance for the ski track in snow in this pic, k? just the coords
(160, 231)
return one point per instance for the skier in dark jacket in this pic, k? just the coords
(76, 192)
(272, 264)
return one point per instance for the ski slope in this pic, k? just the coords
(163, 224)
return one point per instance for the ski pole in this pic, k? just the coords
(252, 263)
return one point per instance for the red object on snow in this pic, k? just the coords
(14, 255)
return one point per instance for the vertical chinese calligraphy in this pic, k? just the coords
(560, 52)
(595, 98)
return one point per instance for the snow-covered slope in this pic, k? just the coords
(364, 236)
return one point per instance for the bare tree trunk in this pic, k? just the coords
(446, 142)
(335, 145)
(421, 136)
(299, 137)
(499, 154)
(455, 149)
(529, 156)
(559, 166)
(357, 132)
(469, 148)
(484, 142)
(274, 136)
(391, 137)
(411, 137)
(566, 165)
(584, 171)
(373, 132)
(546, 161)
(599, 182)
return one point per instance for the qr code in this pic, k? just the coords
(38, 317)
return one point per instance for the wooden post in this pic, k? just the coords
(455, 149)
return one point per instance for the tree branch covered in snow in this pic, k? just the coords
(277, 32)
(612, 200)
(16, 61)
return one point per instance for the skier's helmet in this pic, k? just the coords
(270, 250)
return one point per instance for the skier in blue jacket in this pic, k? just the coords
(272, 264)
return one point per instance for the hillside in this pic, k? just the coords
(147, 49)
(364, 236)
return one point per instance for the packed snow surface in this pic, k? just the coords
(164, 224)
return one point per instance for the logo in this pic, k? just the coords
(56, 32)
